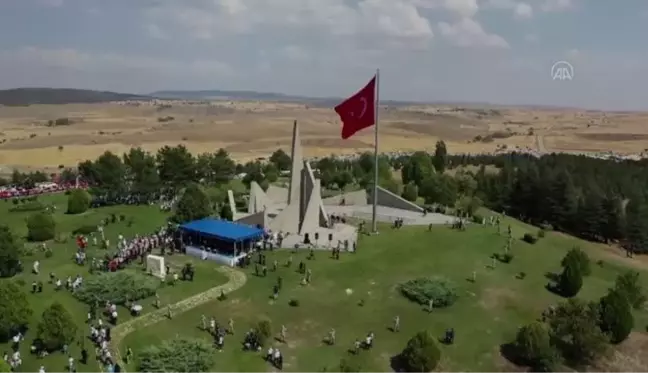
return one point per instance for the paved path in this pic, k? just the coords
(236, 280)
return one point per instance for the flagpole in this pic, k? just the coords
(374, 222)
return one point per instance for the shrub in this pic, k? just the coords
(541, 233)
(40, 227)
(57, 327)
(505, 258)
(28, 207)
(410, 192)
(529, 238)
(263, 331)
(14, 308)
(421, 290)
(580, 259)
(478, 219)
(78, 201)
(533, 346)
(628, 285)
(616, 316)
(294, 302)
(84, 230)
(571, 280)
(177, 355)
(349, 364)
(421, 353)
(117, 287)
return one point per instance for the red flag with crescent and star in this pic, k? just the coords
(358, 111)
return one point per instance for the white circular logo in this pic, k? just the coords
(562, 70)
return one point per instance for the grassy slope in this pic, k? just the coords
(487, 314)
(146, 219)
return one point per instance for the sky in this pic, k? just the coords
(490, 51)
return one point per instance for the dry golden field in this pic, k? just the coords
(255, 129)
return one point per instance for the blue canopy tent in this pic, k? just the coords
(220, 240)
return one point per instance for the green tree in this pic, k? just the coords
(226, 212)
(468, 205)
(41, 227)
(417, 168)
(628, 285)
(616, 316)
(176, 166)
(141, 170)
(440, 159)
(193, 205)
(410, 192)
(9, 253)
(637, 224)
(533, 345)
(57, 327)
(280, 159)
(342, 179)
(439, 188)
(15, 310)
(222, 167)
(571, 280)
(78, 201)
(270, 172)
(592, 218)
(579, 259)
(613, 227)
(466, 183)
(110, 173)
(421, 353)
(575, 324)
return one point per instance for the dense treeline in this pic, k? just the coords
(596, 199)
(58, 96)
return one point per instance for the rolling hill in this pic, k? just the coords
(56, 96)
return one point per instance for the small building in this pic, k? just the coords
(219, 240)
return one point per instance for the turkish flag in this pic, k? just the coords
(358, 111)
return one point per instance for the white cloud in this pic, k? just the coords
(520, 10)
(556, 5)
(75, 60)
(469, 33)
(399, 19)
(523, 11)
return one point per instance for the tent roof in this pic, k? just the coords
(223, 229)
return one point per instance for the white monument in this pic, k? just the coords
(155, 266)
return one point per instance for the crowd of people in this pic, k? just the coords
(17, 191)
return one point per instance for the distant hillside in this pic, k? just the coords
(56, 96)
(258, 96)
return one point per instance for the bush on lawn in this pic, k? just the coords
(263, 331)
(580, 259)
(628, 284)
(571, 280)
(57, 327)
(28, 207)
(616, 316)
(423, 289)
(533, 345)
(117, 287)
(529, 238)
(177, 355)
(78, 201)
(40, 227)
(14, 308)
(421, 353)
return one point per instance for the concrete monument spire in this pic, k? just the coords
(294, 189)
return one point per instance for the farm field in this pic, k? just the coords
(31, 139)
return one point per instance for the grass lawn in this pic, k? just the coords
(487, 314)
(145, 220)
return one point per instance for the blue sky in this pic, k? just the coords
(497, 51)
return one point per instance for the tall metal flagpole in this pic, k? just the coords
(374, 222)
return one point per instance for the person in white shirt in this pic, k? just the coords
(42, 369)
